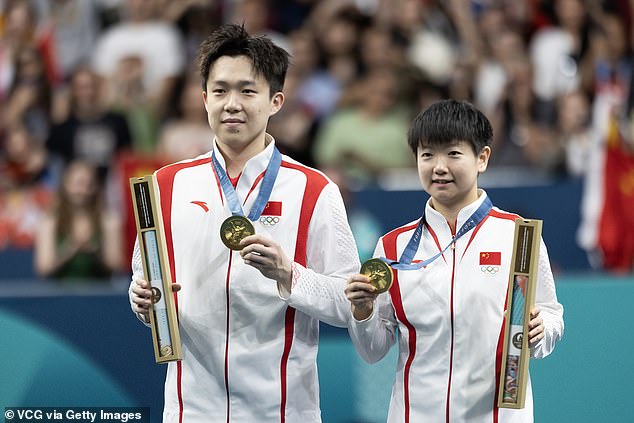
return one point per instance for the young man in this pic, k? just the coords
(249, 320)
(449, 314)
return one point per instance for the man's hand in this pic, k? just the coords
(268, 257)
(142, 297)
(535, 327)
(361, 294)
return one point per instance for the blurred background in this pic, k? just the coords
(93, 92)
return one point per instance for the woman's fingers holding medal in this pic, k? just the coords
(359, 289)
(361, 294)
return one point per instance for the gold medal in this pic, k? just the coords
(380, 274)
(234, 229)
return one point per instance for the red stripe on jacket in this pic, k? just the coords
(389, 246)
(165, 179)
(315, 183)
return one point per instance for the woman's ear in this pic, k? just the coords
(483, 159)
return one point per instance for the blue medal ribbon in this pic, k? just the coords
(405, 262)
(265, 189)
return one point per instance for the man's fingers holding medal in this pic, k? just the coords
(256, 249)
(266, 256)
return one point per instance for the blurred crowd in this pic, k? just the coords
(96, 91)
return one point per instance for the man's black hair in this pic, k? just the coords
(269, 60)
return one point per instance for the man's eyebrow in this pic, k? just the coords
(240, 83)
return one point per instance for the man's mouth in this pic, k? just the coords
(232, 120)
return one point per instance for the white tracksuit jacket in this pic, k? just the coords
(249, 355)
(449, 317)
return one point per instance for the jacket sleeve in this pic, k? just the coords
(137, 274)
(374, 336)
(551, 311)
(331, 256)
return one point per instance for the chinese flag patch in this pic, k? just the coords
(273, 208)
(493, 258)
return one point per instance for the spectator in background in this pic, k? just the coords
(29, 97)
(310, 94)
(337, 30)
(573, 117)
(187, 134)
(91, 131)
(429, 33)
(78, 239)
(377, 48)
(559, 55)
(357, 138)
(193, 18)
(141, 58)
(72, 28)
(24, 193)
(17, 33)
(256, 17)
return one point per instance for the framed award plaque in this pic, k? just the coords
(151, 236)
(520, 300)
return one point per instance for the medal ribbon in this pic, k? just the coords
(405, 262)
(265, 189)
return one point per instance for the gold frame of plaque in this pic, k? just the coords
(156, 269)
(520, 300)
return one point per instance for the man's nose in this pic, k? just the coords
(233, 103)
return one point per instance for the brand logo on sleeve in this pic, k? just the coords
(202, 205)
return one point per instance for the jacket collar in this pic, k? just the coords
(255, 166)
(438, 222)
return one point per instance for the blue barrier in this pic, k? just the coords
(83, 348)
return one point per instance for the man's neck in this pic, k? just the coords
(237, 158)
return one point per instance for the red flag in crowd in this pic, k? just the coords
(616, 225)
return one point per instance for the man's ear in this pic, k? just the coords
(205, 100)
(276, 102)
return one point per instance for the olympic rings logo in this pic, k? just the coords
(269, 220)
(491, 270)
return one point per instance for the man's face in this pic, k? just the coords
(449, 173)
(238, 103)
